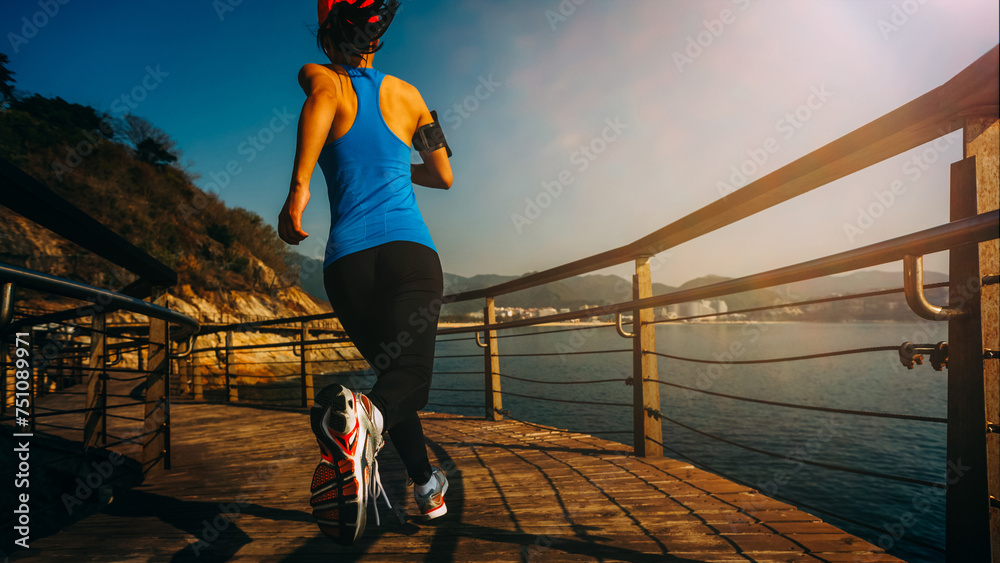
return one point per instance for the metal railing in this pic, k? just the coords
(74, 352)
(968, 102)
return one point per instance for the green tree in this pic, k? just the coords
(150, 143)
(6, 81)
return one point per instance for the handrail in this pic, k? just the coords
(271, 322)
(37, 202)
(913, 288)
(67, 288)
(936, 113)
(976, 229)
(6, 305)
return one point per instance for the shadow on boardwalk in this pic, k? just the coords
(239, 492)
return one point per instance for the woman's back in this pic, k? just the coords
(366, 163)
(400, 103)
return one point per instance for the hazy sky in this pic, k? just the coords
(633, 113)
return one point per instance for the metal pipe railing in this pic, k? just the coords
(102, 298)
(936, 239)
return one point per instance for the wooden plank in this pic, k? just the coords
(581, 506)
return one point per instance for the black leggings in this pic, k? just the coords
(388, 299)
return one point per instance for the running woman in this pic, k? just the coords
(382, 273)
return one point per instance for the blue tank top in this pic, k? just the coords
(368, 178)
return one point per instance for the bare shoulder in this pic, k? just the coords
(403, 90)
(316, 77)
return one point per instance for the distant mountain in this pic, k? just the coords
(310, 273)
(857, 282)
(595, 290)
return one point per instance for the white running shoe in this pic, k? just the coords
(347, 475)
(432, 504)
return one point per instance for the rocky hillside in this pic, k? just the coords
(125, 174)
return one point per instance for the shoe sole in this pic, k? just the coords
(336, 490)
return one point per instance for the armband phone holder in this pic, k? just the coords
(430, 137)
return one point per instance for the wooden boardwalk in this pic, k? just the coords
(239, 492)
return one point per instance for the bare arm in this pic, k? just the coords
(435, 170)
(315, 120)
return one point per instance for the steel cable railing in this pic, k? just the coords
(558, 330)
(575, 352)
(778, 360)
(793, 304)
(806, 407)
(505, 376)
(910, 480)
(681, 455)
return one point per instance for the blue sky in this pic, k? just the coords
(577, 125)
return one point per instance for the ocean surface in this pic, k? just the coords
(875, 381)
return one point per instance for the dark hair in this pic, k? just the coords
(351, 28)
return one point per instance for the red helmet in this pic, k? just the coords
(323, 8)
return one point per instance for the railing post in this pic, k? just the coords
(41, 371)
(96, 392)
(972, 530)
(156, 446)
(189, 372)
(197, 374)
(60, 372)
(647, 430)
(307, 378)
(232, 391)
(3, 377)
(491, 370)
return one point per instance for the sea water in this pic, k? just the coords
(874, 381)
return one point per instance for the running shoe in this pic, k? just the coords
(347, 475)
(432, 504)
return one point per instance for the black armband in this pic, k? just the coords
(430, 137)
